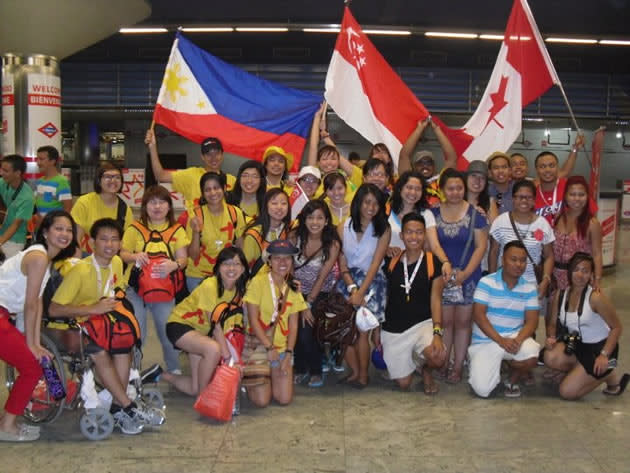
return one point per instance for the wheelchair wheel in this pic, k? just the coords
(42, 408)
(96, 424)
(153, 398)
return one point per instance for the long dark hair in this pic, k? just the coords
(47, 222)
(397, 203)
(227, 254)
(263, 219)
(220, 178)
(379, 221)
(156, 192)
(584, 219)
(483, 199)
(329, 232)
(576, 259)
(236, 194)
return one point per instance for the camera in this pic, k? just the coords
(571, 340)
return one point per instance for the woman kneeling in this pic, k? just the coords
(199, 323)
(273, 305)
(587, 350)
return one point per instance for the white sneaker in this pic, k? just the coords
(129, 425)
(151, 416)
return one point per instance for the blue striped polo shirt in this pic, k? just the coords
(506, 307)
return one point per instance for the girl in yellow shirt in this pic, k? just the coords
(273, 223)
(159, 245)
(213, 226)
(277, 163)
(273, 306)
(197, 324)
(337, 196)
(249, 190)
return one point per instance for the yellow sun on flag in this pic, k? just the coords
(173, 82)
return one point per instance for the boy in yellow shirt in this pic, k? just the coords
(88, 291)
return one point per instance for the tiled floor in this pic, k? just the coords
(337, 429)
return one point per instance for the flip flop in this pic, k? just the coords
(620, 388)
(318, 383)
(357, 385)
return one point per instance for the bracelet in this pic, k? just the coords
(351, 287)
(438, 331)
(269, 348)
(604, 353)
(546, 276)
(288, 351)
(574, 149)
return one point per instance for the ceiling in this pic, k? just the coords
(601, 19)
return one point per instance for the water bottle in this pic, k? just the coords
(55, 386)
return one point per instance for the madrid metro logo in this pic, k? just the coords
(49, 130)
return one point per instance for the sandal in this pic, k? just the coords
(453, 377)
(512, 390)
(430, 388)
(300, 378)
(316, 382)
(618, 389)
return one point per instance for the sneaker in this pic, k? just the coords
(511, 390)
(128, 424)
(338, 368)
(151, 416)
(325, 367)
(151, 374)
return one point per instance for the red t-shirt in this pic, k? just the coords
(549, 203)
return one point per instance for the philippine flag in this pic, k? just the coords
(203, 96)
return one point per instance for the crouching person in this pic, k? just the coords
(199, 323)
(273, 306)
(582, 340)
(412, 332)
(87, 293)
(505, 315)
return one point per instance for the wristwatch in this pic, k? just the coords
(439, 331)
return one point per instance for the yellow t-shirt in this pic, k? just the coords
(90, 207)
(259, 293)
(79, 286)
(352, 183)
(251, 247)
(337, 216)
(203, 308)
(133, 241)
(217, 233)
(250, 210)
(186, 182)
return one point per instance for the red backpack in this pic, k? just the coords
(152, 289)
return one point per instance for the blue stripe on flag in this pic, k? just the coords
(247, 99)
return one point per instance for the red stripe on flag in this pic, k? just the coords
(236, 138)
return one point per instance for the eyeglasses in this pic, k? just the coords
(310, 179)
(523, 197)
(253, 177)
(112, 177)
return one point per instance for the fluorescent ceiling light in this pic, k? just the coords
(572, 40)
(388, 32)
(142, 30)
(498, 37)
(261, 29)
(441, 34)
(332, 29)
(614, 42)
(209, 29)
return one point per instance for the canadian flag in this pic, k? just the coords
(371, 98)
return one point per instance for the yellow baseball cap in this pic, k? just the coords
(278, 150)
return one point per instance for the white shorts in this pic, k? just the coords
(485, 362)
(398, 348)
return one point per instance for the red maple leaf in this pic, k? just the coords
(498, 101)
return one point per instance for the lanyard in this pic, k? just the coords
(107, 292)
(553, 198)
(409, 282)
(274, 300)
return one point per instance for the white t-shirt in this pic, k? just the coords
(534, 235)
(13, 281)
(395, 224)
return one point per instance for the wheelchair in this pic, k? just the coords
(74, 366)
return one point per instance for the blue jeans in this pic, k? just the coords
(160, 312)
(192, 283)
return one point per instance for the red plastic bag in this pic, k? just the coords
(217, 399)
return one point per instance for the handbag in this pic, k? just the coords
(454, 293)
(217, 399)
(539, 268)
(257, 367)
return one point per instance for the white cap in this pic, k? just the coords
(310, 170)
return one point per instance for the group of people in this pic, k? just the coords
(443, 269)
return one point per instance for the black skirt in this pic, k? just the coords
(587, 353)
